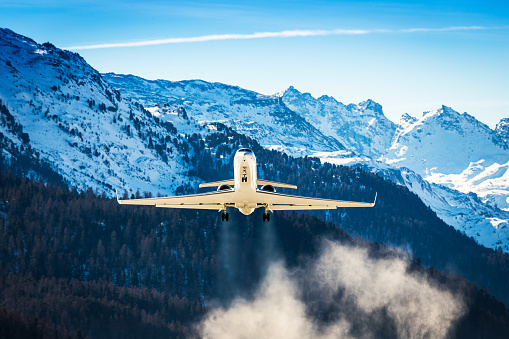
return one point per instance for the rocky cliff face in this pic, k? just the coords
(362, 129)
(502, 131)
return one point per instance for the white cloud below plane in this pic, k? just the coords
(281, 34)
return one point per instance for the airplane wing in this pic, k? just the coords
(218, 200)
(281, 202)
(205, 201)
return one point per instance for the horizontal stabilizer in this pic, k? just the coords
(218, 183)
(275, 184)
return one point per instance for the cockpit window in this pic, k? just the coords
(247, 150)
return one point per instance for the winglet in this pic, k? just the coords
(116, 193)
(374, 202)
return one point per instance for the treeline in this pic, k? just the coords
(84, 266)
(62, 307)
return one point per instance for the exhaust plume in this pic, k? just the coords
(342, 294)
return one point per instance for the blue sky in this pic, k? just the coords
(459, 58)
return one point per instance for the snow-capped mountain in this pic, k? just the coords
(372, 141)
(264, 118)
(361, 128)
(79, 123)
(454, 150)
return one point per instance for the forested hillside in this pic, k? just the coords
(79, 262)
(85, 266)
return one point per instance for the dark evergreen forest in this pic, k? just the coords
(77, 264)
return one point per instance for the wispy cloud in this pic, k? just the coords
(281, 34)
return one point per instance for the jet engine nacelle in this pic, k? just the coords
(268, 188)
(223, 187)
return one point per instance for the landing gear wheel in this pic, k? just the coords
(225, 216)
(266, 217)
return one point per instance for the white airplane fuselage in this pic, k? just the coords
(245, 177)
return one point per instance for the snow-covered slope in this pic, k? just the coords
(76, 121)
(454, 150)
(264, 118)
(361, 128)
(465, 212)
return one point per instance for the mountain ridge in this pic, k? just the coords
(95, 131)
(358, 127)
(262, 117)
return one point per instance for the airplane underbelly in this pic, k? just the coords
(246, 208)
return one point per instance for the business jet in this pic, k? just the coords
(243, 193)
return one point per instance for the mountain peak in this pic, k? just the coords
(327, 99)
(447, 110)
(373, 106)
(407, 118)
(291, 90)
(443, 111)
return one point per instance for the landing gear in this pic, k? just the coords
(266, 217)
(225, 216)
